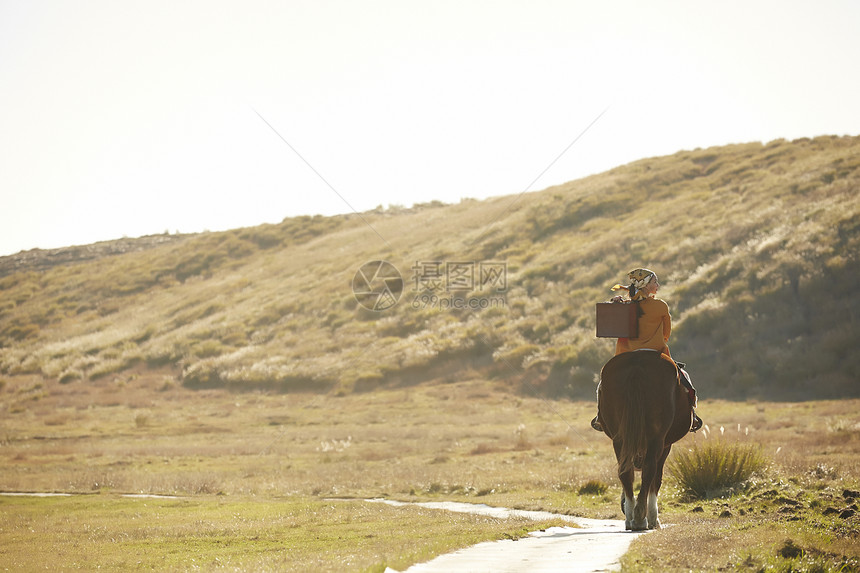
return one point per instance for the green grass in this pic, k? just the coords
(107, 532)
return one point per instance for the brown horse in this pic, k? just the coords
(644, 410)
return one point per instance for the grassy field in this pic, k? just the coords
(275, 482)
(242, 533)
(237, 371)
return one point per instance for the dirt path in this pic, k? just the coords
(596, 545)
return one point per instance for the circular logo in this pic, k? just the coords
(377, 285)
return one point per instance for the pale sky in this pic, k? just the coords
(122, 118)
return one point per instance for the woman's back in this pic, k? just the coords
(655, 325)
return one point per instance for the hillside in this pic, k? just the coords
(756, 247)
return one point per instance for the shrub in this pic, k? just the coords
(515, 357)
(106, 367)
(790, 550)
(70, 375)
(166, 352)
(207, 349)
(20, 330)
(593, 487)
(715, 467)
(203, 374)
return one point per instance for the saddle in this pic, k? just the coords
(683, 376)
(683, 379)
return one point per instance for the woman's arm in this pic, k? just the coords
(667, 323)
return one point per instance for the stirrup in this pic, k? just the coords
(697, 423)
(596, 425)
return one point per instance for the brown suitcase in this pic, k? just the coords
(617, 320)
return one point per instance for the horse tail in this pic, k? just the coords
(632, 425)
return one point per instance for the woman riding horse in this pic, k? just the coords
(655, 325)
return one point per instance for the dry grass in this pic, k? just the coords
(805, 498)
(467, 441)
(271, 308)
(715, 467)
(135, 437)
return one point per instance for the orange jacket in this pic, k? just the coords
(655, 325)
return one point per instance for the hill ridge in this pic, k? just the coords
(756, 246)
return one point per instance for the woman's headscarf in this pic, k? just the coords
(638, 278)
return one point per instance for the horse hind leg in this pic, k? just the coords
(653, 519)
(653, 512)
(638, 517)
(645, 514)
(628, 504)
(639, 521)
(634, 509)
